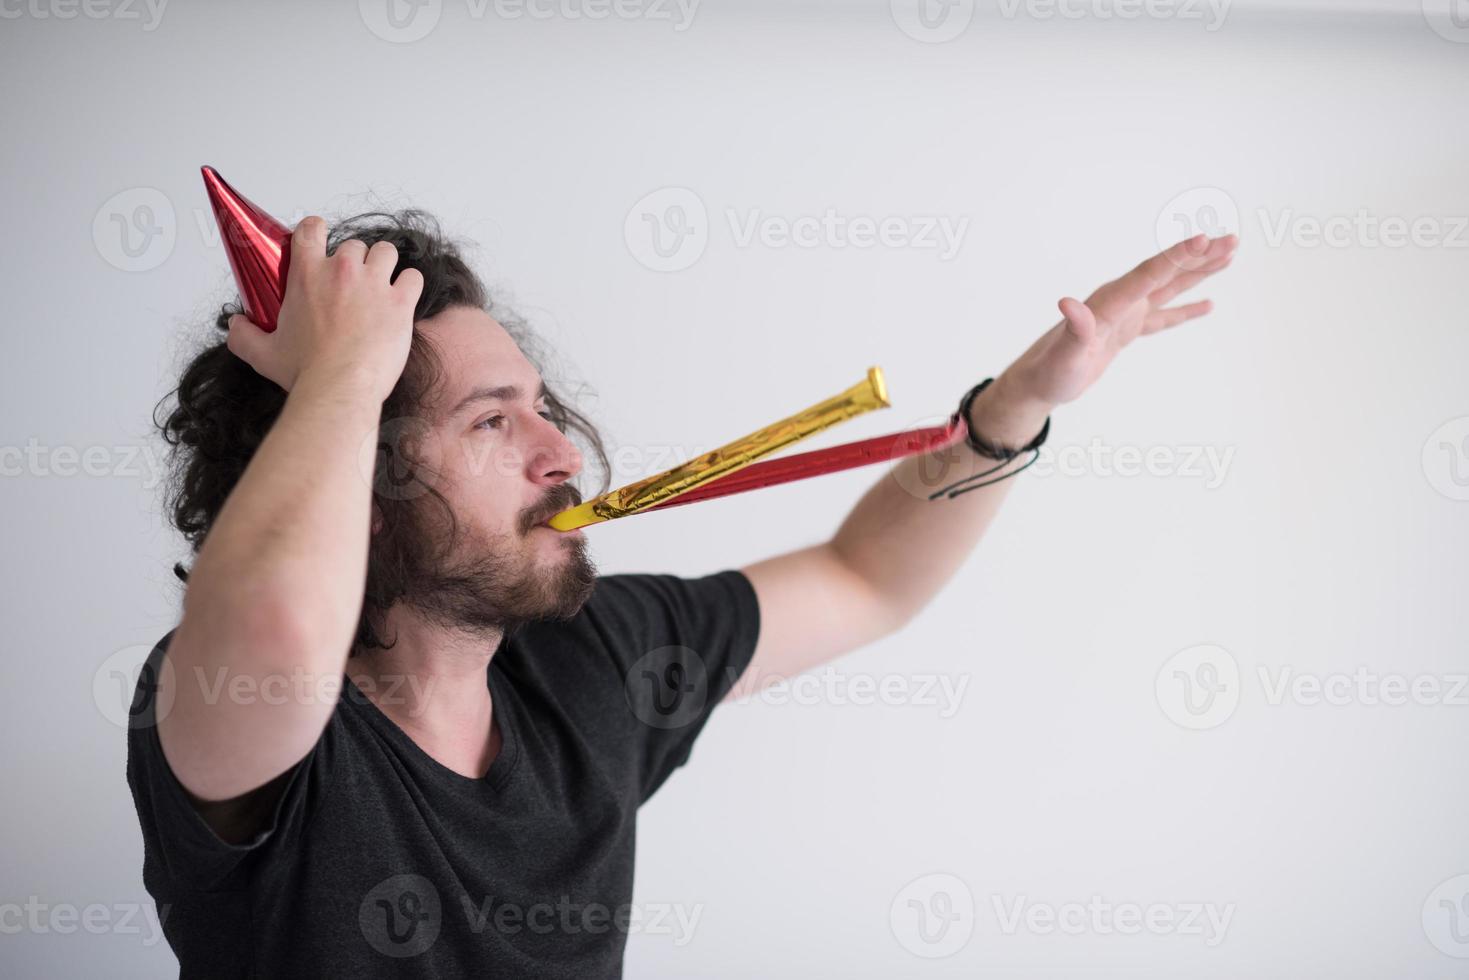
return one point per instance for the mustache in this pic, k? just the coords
(560, 497)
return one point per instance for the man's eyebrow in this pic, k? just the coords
(495, 393)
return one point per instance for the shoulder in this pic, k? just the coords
(628, 614)
(144, 710)
(632, 614)
(660, 593)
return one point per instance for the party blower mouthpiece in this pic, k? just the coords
(258, 246)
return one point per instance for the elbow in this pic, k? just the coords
(263, 629)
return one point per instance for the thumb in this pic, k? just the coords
(1080, 322)
(246, 340)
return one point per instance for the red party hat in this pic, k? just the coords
(259, 248)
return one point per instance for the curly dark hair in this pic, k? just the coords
(223, 409)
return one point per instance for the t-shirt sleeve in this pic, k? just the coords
(177, 841)
(680, 646)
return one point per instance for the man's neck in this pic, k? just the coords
(433, 684)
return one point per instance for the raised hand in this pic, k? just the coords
(343, 317)
(1069, 357)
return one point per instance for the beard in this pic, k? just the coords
(497, 585)
(484, 584)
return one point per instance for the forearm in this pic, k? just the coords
(290, 543)
(897, 548)
(908, 546)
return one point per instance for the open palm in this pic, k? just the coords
(1069, 357)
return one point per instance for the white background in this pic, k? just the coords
(1333, 542)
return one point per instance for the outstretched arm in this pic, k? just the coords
(896, 548)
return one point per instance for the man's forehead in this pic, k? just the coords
(496, 391)
(480, 361)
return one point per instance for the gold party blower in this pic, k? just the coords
(865, 395)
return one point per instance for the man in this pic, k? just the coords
(402, 727)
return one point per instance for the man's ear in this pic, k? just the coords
(377, 518)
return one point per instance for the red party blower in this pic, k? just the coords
(259, 248)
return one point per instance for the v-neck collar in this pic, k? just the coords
(502, 713)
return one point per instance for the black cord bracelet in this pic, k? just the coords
(1002, 454)
(988, 449)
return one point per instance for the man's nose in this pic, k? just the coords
(554, 458)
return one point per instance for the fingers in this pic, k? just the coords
(308, 250)
(245, 338)
(1174, 315)
(382, 258)
(1187, 280)
(409, 285)
(351, 250)
(1154, 272)
(308, 240)
(1158, 271)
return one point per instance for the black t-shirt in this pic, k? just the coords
(379, 861)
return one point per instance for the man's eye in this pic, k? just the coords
(489, 423)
